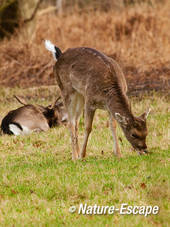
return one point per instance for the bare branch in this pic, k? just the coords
(34, 12)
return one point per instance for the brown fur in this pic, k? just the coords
(87, 77)
(33, 117)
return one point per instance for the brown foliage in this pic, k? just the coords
(138, 37)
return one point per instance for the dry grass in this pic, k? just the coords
(138, 37)
(135, 34)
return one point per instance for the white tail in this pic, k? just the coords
(56, 52)
(50, 47)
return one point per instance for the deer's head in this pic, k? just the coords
(135, 130)
(55, 114)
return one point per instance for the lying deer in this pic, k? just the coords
(88, 78)
(33, 118)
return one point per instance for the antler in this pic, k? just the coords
(20, 100)
(57, 101)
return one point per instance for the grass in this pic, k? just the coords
(39, 181)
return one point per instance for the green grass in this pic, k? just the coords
(39, 181)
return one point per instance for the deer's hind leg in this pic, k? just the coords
(74, 108)
(89, 115)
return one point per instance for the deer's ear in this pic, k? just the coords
(121, 119)
(145, 114)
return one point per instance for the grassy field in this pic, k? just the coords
(39, 181)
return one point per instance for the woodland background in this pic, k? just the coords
(134, 32)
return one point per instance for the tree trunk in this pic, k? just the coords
(59, 6)
(14, 12)
(9, 17)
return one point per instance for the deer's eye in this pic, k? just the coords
(135, 136)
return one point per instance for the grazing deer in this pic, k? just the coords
(30, 118)
(88, 78)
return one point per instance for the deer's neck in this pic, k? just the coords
(118, 103)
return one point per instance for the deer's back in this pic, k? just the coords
(86, 67)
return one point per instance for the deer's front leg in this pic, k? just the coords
(116, 143)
